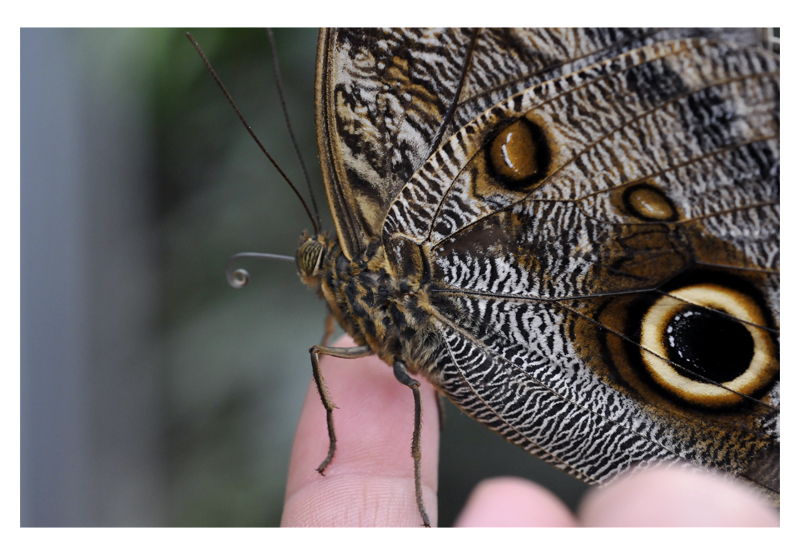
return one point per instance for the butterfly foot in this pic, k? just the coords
(401, 373)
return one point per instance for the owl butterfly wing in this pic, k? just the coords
(603, 253)
(384, 96)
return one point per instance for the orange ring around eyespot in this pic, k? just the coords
(760, 371)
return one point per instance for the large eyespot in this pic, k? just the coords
(706, 334)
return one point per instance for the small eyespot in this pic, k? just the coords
(520, 155)
(649, 203)
(706, 334)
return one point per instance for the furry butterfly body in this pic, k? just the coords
(566, 232)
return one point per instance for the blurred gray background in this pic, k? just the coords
(152, 394)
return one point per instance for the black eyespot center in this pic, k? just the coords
(706, 344)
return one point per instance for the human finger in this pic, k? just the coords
(511, 501)
(370, 481)
(675, 497)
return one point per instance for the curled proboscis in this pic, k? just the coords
(238, 278)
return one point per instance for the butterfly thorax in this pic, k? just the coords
(393, 316)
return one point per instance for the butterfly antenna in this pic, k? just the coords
(249, 130)
(279, 82)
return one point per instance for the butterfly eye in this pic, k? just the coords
(309, 257)
(520, 155)
(649, 203)
(707, 344)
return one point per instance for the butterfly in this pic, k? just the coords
(573, 234)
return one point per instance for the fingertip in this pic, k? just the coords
(349, 500)
(370, 481)
(513, 502)
(675, 497)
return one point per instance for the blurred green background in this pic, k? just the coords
(152, 393)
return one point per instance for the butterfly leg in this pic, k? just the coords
(339, 352)
(330, 323)
(440, 409)
(401, 373)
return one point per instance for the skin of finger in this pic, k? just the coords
(674, 497)
(370, 481)
(513, 502)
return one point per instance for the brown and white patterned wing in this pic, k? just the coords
(603, 254)
(385, 96)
